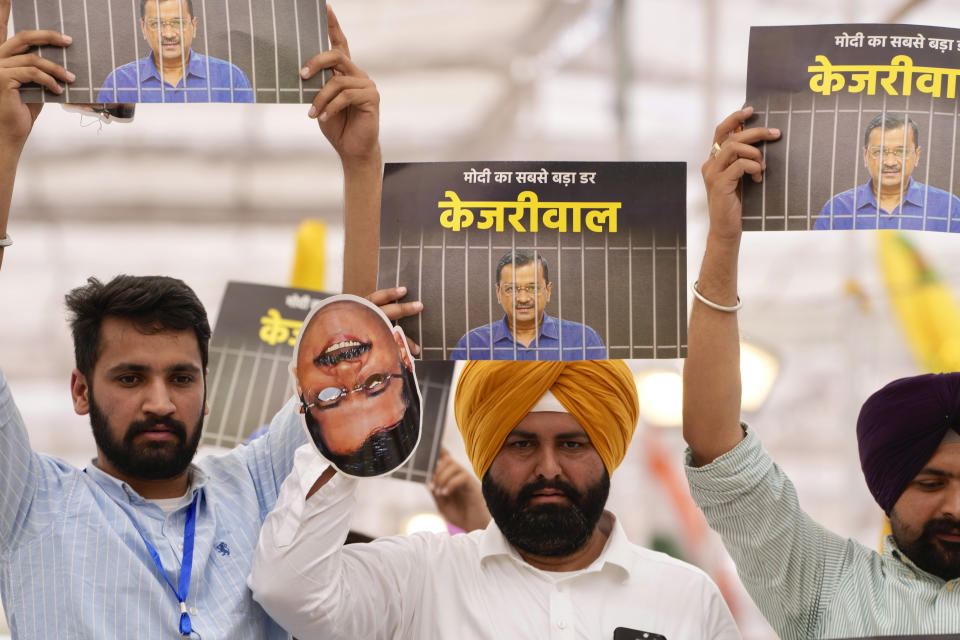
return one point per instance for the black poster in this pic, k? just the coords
(868, 117)
(539, 260)
(232, 50)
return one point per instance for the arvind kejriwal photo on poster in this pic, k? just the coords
(129, 51)
(868, 117)
(539, 260)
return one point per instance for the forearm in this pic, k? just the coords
(19, 471)
(751, 503)
(362, 185)
(711, 374)
(9, 159)
(270, 458)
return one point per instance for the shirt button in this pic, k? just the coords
(193, 611)
(562, 624)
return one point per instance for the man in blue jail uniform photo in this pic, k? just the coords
(172, 71)
(891, 199)
(526, 331)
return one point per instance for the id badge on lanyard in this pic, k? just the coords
(186, 566)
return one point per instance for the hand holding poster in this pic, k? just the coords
(869, 121)
(127, 51)
(539, 261)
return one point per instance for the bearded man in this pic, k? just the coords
(807, 581)
(544, 437)
(143, 543)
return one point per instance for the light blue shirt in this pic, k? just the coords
(923, 208)
(72, 564)
(558, 340)
(207, 80)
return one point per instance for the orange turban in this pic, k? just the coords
(493, 397)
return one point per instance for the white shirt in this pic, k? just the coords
(472, 585)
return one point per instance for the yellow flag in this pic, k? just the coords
(923, 304)
(309, 256)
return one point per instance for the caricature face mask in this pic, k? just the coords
(358, 393)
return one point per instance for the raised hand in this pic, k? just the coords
(723, 170)
(348, 107)
(18, 66)
(387, 299)
(457, 494)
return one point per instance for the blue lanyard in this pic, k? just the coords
(185, 567)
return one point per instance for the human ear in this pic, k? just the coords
(401, 340)
(80, 393)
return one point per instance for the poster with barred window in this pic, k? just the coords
(868, 122)
(539, 260)
(128, 51)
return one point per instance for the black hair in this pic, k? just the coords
(891, 120)
(152, 303)
(520, 257)
(143, 6)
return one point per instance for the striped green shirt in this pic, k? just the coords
(809, 582)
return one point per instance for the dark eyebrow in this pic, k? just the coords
(940, 473)
(529, 435)
(131, 367)
(517, 433)
(184, 367)
(127, 367)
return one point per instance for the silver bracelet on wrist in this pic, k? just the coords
(710, 303)
(6, 241)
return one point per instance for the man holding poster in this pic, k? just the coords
(891, 199)
(807, 581)
(86, 552)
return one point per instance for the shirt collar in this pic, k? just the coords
(618, 551)
(195, 67)
(549, 328)
(914, 194)
(121, 492)
(890, 548)
(865, 198)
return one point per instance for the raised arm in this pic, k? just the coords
(457, 494)
(711, 374)
(17, 67)
(20, 474)
(348, 112)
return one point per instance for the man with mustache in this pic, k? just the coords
(891, 199)
(173, 72)
(354, 377)
(807, 581)
(143, 543)
(526, 331)
(544, 437)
